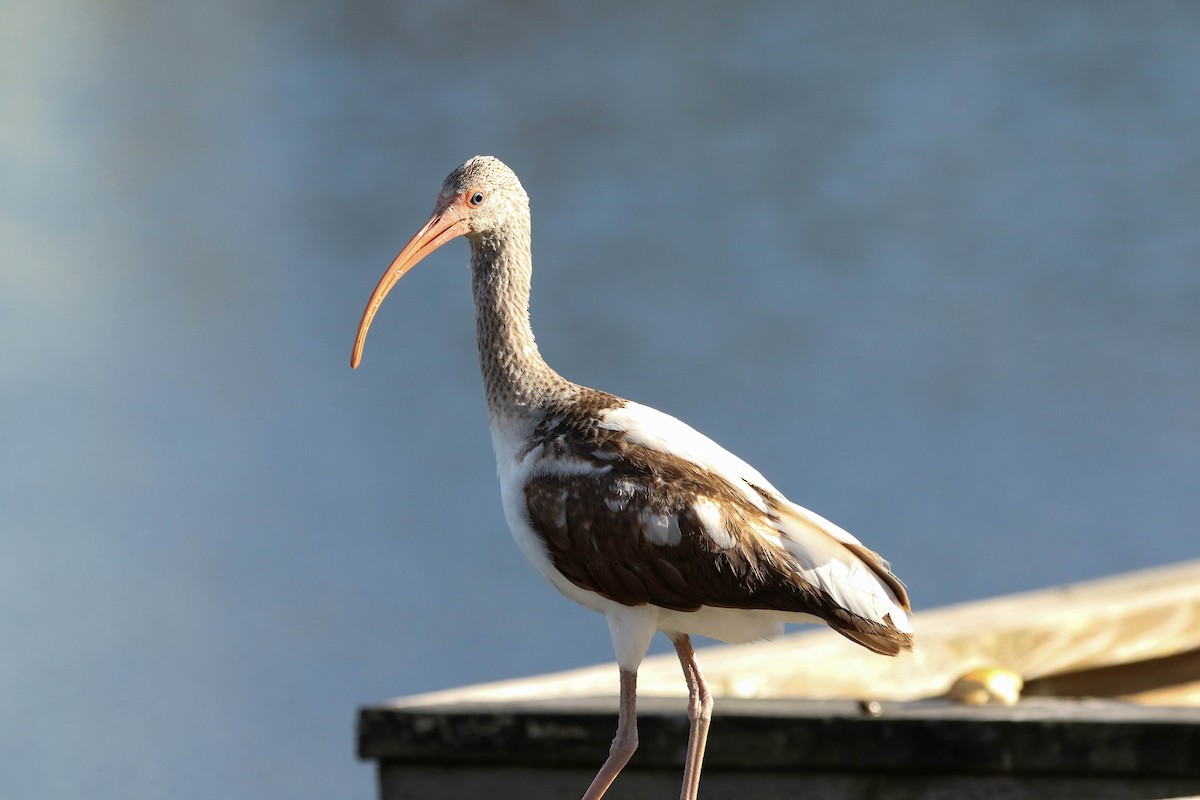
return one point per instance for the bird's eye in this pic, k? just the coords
(476, 198)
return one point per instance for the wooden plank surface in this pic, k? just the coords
(1135, 617)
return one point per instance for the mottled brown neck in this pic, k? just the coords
(516, 380)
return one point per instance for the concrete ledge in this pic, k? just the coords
(525, 783)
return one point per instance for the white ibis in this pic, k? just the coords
(627, 510)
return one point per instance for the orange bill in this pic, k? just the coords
(448, 222)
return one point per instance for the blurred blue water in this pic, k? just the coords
(932, 269)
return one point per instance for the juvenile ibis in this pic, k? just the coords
(627, 510)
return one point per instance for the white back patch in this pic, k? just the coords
(655, 430)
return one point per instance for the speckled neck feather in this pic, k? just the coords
(516, 379)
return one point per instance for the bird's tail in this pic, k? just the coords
(883, 639)
(872, 603)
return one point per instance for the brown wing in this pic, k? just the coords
(637, 536)
(637, 525)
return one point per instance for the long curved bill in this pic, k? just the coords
(446, 223)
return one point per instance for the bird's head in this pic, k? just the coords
(479, 199)
(485, 194)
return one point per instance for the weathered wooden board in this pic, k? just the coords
(1136, 618)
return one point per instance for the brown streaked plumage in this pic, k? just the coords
(593, 528)
(629, 511)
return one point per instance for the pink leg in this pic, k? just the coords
(700, 704)
(623, 744)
